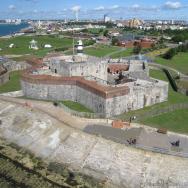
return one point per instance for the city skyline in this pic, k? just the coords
(58, 9)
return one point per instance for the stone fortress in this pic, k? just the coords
(108, 87)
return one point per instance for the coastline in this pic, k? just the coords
(13, 31)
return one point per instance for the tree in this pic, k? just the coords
(137, 49)
(170, 54)
(105, 33)
(115, 41)
(178, 38)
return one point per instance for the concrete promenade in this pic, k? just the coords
(30, 126)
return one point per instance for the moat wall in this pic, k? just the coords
(109, 105)
(4, 78)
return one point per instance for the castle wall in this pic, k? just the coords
(64, 92)
(4, 78)
(138, 97)
(95, 69)
(49, 92)
(90, 100)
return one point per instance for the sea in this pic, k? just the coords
(7, 29)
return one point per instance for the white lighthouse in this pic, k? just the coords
(79, 47)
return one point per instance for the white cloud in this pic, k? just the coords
(136, 6)
(12, 7)
(114, 7)
(173, 5)
(100, 8)
(76, 8)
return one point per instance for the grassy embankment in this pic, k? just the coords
(179, 62)
(13, 84)
(76, 106)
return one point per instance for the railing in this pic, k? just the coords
(81, 114)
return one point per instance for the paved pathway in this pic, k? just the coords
(55, 112)
(119, 165)
(116, 52)
(169, 68)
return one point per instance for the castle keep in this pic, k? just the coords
(105, 86)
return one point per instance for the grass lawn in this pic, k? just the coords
(179, 62)
(13, 84)
(176, 121)
(22, 45)
(76, 106)
(127, 52)
(101, 50)
(174, 98)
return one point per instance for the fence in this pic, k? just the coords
(81, 114)
(157, 112)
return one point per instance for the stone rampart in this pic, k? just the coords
(4, 78)
(77, 89)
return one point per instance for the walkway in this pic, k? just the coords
(116, 52)
(55, 112)
(115, 164)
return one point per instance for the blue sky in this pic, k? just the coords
(54, 9)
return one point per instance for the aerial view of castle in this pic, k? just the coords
(106, 87)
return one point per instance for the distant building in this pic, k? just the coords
(79, 47)
(131, 41)
(106, 18)
(135, 23)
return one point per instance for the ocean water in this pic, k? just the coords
(7, 29)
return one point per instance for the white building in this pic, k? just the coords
(33, 45)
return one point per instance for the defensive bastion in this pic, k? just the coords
(83, 81)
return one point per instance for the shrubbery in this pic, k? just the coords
(173, 51)
(61, 49)
(89, 42)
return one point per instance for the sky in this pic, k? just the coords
(94, 9)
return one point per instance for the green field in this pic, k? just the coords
(176, 121)
(22, 45)
(76, 106)
(13, 84)
(179, 62)
(127, 52)
(101, 50)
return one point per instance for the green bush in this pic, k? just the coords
(89, 42)
(61, 49)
